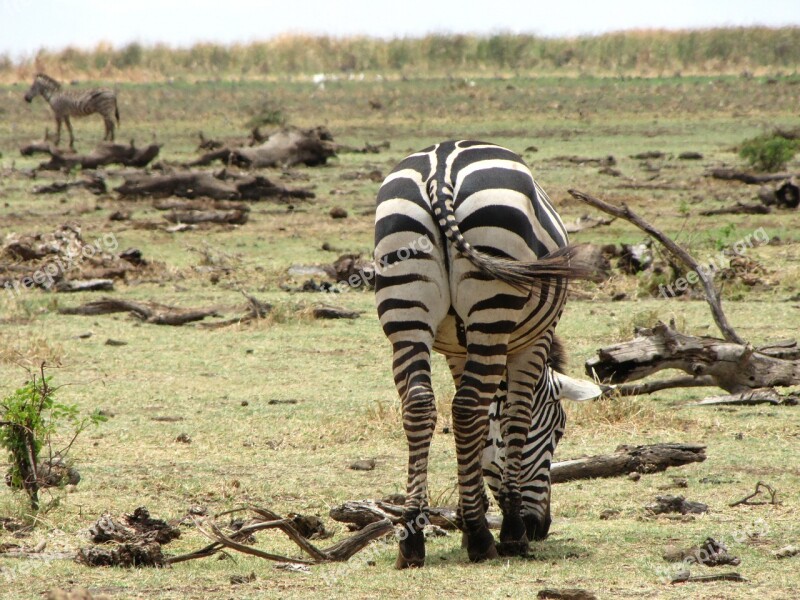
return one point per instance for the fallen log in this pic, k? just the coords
(565, 594)
(85, 285)
(729, 174)
(752, 398)
(586, 222)
(95, 184)
(39, 147)
(149, 312)
(200, 184)
(361, 513)
(738, 209)
(685, 577)
(285, 148)
(231, 217)
(256, 309)
(648, 155)
(327, 311)
(628, 459)
(104, 154)
(731, 366)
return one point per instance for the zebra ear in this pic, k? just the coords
(579, 390)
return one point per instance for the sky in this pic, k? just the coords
(28, 25)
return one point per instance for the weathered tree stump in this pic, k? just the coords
(285, 148)
(731, 366)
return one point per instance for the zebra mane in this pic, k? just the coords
(557, 360)
(47, 80)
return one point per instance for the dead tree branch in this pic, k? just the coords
(267, 519)
(712, 296)
(773, 493)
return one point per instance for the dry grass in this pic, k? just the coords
(29, 349)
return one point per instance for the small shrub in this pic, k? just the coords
(768, 152)
(29, 419)
(268, 113)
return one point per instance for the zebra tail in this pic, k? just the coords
(116, 110)
(521, 274)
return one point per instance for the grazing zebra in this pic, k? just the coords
(75, 103)
(471, 261)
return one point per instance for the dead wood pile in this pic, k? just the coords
(62, 260)
(285, 148)
(224, 185)
(157, 313)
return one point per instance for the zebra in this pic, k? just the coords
(472, 261)
(75, 103)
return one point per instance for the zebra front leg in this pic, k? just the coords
(58, 132)
(524, 371)
(483, 371)
(71, 136)
(491, 475)
(537, 487)
(412, 377)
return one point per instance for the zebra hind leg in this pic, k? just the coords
(57, 141)
(109, 137)
(413, 380)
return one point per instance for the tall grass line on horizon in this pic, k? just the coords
(730, 50)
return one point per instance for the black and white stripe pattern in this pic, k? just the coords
(472, 261)
(75, 103)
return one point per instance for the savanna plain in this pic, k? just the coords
(216, 385)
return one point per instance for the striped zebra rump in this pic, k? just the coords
(471, 261)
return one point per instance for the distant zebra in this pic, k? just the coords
(472, 261)
(75, 103)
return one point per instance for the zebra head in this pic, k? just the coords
(546, 431)
(42, 84)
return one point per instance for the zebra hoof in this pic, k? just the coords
(480, 545)
(518, 548)
(537, 529)
(411, 550)
(405, 562)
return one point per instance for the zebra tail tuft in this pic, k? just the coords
(521, 274)
(116, 110)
